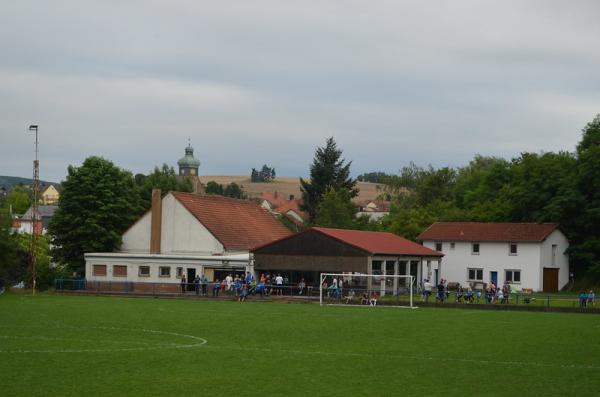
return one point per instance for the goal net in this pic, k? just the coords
(366, 289)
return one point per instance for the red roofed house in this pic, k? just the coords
(323, 250)
(527, 255)
(187, 234)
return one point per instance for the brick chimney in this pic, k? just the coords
(156, 222)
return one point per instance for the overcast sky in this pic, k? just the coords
(253, 82)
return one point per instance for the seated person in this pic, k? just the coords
(365, 299)
(374, 298)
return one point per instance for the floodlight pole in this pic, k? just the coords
(34, 208)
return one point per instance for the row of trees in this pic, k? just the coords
(266, 174)
(232, 190)
(558, 187)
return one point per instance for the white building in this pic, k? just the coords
(528, 255)
(187, 235)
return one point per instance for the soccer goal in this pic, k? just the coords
(366, 289)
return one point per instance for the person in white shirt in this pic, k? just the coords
(228, 282)
(279, 284)
(427, 286)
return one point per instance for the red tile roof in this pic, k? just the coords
(293, 205)
(480, 231)
(237, 224)
(276, 199)
(371, 242)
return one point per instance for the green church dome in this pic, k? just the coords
(188, 161)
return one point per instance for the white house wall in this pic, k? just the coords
(561, 260)
(182, 233)
(493, 256)
(137, 237)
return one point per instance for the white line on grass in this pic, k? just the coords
(198, 341)
(410, 357)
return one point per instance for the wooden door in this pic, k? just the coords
(550, 279)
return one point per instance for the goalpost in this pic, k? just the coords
(355, 289)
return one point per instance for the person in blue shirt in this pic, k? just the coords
(216, 287)
(582, 299)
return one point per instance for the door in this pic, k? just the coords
(550, 279)
(494, 278)
(191, 275)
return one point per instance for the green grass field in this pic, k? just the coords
(102, 346)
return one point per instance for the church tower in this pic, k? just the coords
(188, 164)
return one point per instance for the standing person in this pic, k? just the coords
(197, 284)
(459, 293)
(249, 278)
(279, 284)
(506, 291)
(591, 298)
(441, 289)
(582, 299)
(228, 283)
(216, 288)
(427, 287)
(204, 284)
(183, 284)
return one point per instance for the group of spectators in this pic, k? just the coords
(242, 286)
(587, 299)
(491, 292)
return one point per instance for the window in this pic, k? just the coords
(179, 272)
(554, 248)
(438, 246)
(144, 271)
(513, 276)
(512, 250)
(452, 245)
(164, 271)
(474, 248)
(389, 267)
(119, 271)
(376, 266)
(475, 274)
(99, 270)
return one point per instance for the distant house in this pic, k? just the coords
(50, 195)
(291, 210)
(527, 255)
(316, 250)
(374, 209)
(270, 201)
(25, 224)
(186, 234)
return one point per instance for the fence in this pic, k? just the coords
(191, 289)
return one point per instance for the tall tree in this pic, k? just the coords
(327, 171)
(163, 178)
(98, 203)
(19, 199)
(586, 250)
(8, 250)
(337, 210)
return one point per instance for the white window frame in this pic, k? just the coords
(475, 269)
(512, 276)
(478, 248)
(510, 245)
(160, 271)
(140, 274)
